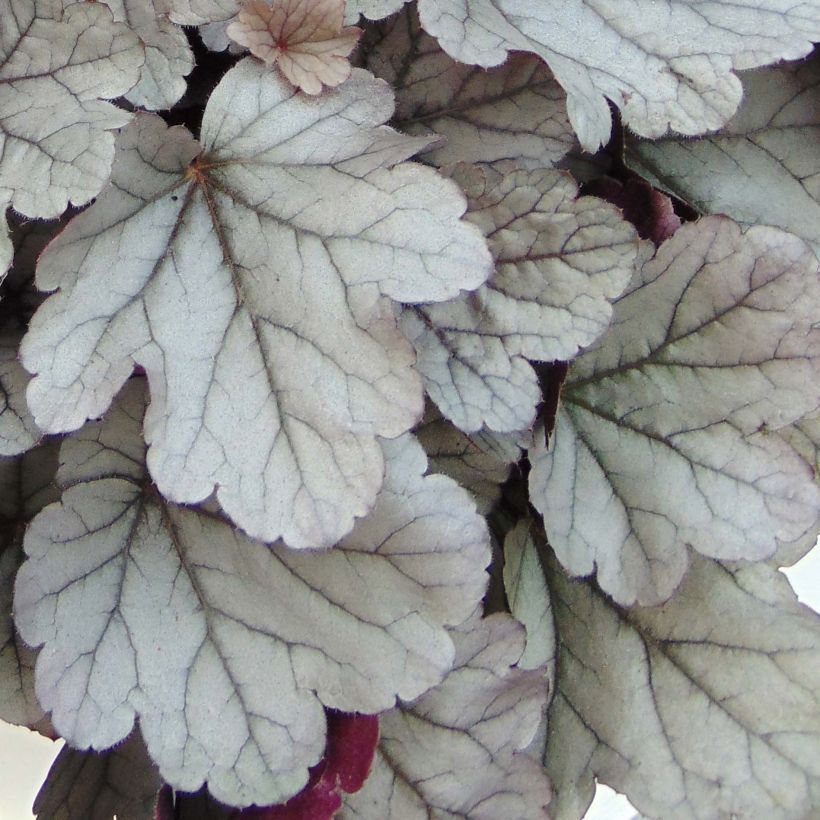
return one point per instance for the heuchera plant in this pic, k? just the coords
(408, 407)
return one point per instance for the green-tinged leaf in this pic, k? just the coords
(761, 167)
(120, 783)
(516, 111)
(226, 648)
(560, 260)
(663, 437)
(57, 65)
(455, 752)
(250, 279)
(529, 599)
(707, 707)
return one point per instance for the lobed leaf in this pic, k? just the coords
(455, 751)
(706, 707)
(225, 648)
(663, 438)
(663, 64)
(516, 111)
(305, 40)
(54, 142)
(251, 283)
(559, 262)
(761, 167)
(168, 57)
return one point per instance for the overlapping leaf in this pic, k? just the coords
(663, 439)
(168, 57)
(120, 783)
(529, 600)
(225, 648)
(18, 432)
(761, 168)
(454, 752)
(479, 462)
(706, 707)
(516, 111)
(26, 486)
(559, 262)
(57, 66)
(251, 282)
(663, 64)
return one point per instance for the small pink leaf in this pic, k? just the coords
(304, 38)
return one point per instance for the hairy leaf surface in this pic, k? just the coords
(559, 262)
(761, 168)
(662, 440)
(251, 283)
(454, 752)
(120, 783)
(516, 111)
(706, 707)
(224, 647)
(168, 57)
(57, 66)
(663, 64)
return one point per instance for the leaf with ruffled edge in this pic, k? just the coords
(252, 277)
(227, 649)
(560, 260)
(455, 752)
(663, 437)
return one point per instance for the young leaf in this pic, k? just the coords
(663, 64)
(303, 38)
(120, 783)
(706, 707)
(56, 66)
(516, 111)
(661, 439)
(168, 57)
(761, 168)
(455, 751)
(227, 648)
(479, 462)
(249, 281)
(559, 262)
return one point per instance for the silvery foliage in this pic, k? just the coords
(286, 414)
